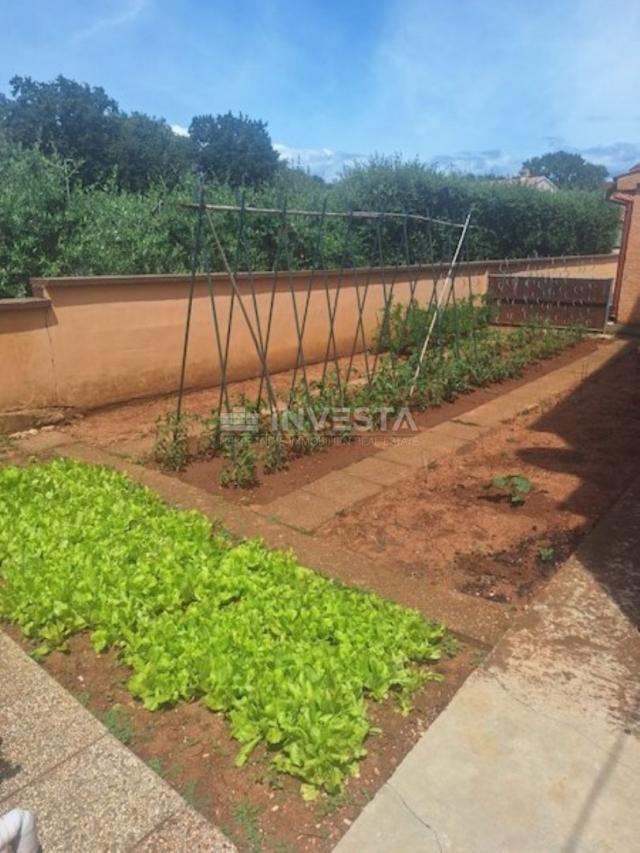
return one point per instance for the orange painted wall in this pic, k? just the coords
(629, 302)
(103, 340)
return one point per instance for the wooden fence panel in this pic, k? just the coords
(561, 301)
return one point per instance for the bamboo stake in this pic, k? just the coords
(439, 302)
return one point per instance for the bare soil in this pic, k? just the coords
(444, 528)
(129, 429)
(191, 748)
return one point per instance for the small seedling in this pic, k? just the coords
(514, 486)
(546, 554)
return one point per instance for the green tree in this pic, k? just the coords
(71, 120)
(567, 171)
(233, 149)
(146, 151)
(82, 124)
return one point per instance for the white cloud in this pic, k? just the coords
(126, 12)
(325, 162)
(179, 130)
(617, 157)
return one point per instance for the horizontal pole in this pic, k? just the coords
(354, 214)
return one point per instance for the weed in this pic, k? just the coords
(193, 795)
(83, 697)
(330, 803)
(546, 554)
(516, 487)
(117, 721)
(155, 764)
(246, 818)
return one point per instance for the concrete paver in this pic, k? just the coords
(301, 510)
(87, 790)
(407, 453)
(378, 470)
(343, 489)
(185, 830)
(460, 430)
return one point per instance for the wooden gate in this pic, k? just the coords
(562, 301)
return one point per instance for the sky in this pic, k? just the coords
(468, 85)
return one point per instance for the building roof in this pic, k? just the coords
(630, 171)
(534, 182)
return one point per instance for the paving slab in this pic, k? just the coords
(457, 429)
(185, 830)
(499, 411)
(408, 453)
(39, 729)
(344, 489)
(88, 791)
(539, 751)
(380, 471)
(301, 510)
(102, 798)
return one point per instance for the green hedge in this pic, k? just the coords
(50, 225)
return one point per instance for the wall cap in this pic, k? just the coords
(26, 303)
(40, 283)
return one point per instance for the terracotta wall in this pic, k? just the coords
(88, 342)
(627, 300)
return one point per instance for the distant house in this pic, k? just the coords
(535, 182)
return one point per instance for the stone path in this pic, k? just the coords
(539, 751)
(88, 791)
(309, 507)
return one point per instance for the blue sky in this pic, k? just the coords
(467, 84)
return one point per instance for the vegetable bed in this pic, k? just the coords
(289, 657)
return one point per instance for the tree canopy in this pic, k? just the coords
(568, 171)
(233, 149)
(82, 124)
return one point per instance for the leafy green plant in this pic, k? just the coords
(211, 436)
(242, 472)
(274, 453)
(289, 657)
(516, 487)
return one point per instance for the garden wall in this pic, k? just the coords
(88, 342)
